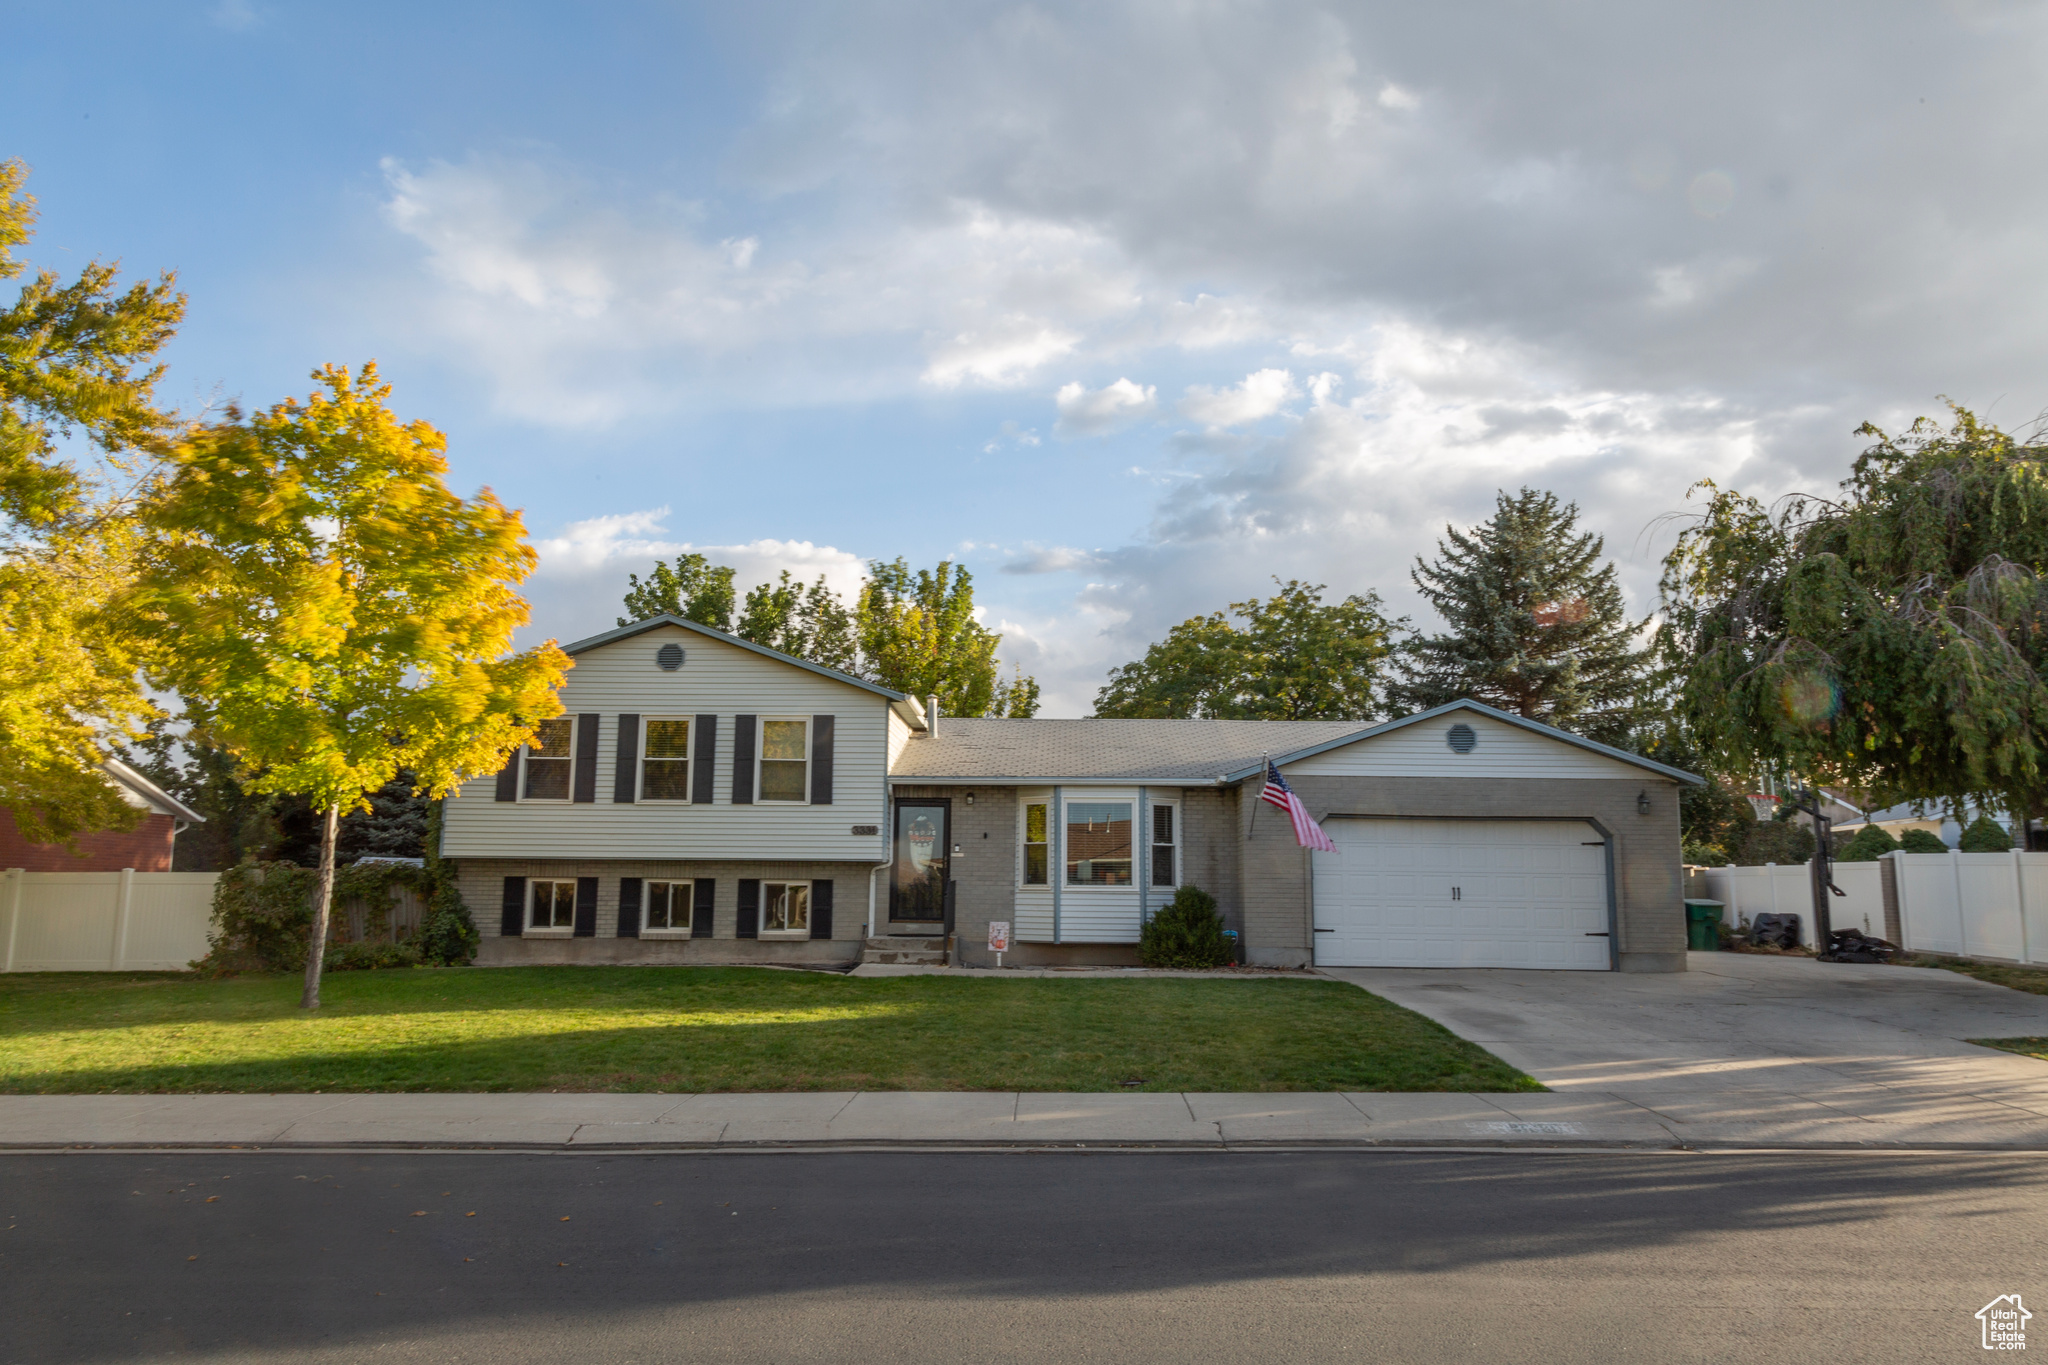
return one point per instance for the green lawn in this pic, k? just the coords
(2034, 979)
(2026, 1047)
(711, 1028)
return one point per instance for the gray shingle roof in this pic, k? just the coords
(1154, 750)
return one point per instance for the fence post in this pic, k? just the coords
(125, 898)
(1892, 895)
(1955, 861)
(17, 877)
(2019, 891)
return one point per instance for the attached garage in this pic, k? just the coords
(1468, 837)
(1463, 893)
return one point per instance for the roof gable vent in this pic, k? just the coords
(669, 657)
(1461, 737)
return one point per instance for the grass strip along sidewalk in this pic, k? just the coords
(717, 1029)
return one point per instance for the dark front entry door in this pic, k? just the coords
(917, 882)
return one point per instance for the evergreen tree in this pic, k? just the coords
(1294, 658)
(694, 589)
(1537, 623)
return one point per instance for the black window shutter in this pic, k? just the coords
(514, 923)
(743, 762)
(821, 761)
(750, 908)
(508, 778)
(821, 906)
(626, 775)
(705, 767)
(586, 758)
(586, 907)
(700, 907)
(629, 907)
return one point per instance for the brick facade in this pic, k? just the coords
(146, 848)
(483, 882)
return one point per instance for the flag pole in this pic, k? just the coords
(1266, 766)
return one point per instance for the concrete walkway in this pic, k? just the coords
(1741, 1051)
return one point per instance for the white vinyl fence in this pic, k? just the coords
(1787, 889)
(103, 921)
(1974, 904)
(1965, 904)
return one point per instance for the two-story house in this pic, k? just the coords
(704, 799)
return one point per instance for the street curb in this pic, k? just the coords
(1698, 1148)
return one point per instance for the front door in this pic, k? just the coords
(917, 879)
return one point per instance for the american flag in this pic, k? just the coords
(1307, 832)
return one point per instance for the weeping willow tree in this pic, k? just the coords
(1894, 639)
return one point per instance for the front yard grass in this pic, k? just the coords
(717, 1029)
(2026, 1047)
(2034, 979)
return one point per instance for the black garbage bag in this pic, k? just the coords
(1774, 931)
(1853, 945)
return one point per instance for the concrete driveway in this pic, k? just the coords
(1780, 1046)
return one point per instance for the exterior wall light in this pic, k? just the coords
(1642, 803)
(970, 798)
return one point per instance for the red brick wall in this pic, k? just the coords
(146, 848)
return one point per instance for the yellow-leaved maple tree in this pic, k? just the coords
(332, 613)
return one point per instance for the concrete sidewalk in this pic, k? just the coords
(898, 1118)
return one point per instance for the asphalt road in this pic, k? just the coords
(1018, 1256)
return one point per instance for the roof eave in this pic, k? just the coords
(1467, 704)
(149, 791)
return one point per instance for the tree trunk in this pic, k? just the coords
(323, 899)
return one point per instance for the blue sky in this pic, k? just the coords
(1128, 307)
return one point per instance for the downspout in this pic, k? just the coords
(1056, 850)
(1141, 855)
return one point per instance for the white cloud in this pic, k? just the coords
(1038, 559)
(1394, 97)
(1092, 412)
(577, 589)
(1260, 396)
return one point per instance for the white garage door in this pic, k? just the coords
(1462, 893)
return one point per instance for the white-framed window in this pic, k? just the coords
(1097, 842)
(665, 759)
(1165, 845)
(1037, 852)
(548, 762)
(667, 913)
(785, 909)
(551, 906)
(783, 765)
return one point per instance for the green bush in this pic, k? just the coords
(363, 957)
(1869, 844)
(1704, 855)
(1775, 841)
(1187, 934)
(263, 915)
(1986, 835)
(1920, 841)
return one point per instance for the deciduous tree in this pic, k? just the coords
(919, 634)
(693, 588)
(76, 358)
(808, 621)
(1293, 658)
(1892, 639)
(338, 614)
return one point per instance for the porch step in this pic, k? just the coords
(923, 952)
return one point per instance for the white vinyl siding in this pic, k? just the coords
(1500, 750)
(717, 679)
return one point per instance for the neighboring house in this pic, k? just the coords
(146, 848)
(706, 799)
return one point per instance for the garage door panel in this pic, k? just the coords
(1462, 893)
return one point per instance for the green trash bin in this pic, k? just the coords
(1702, 926)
